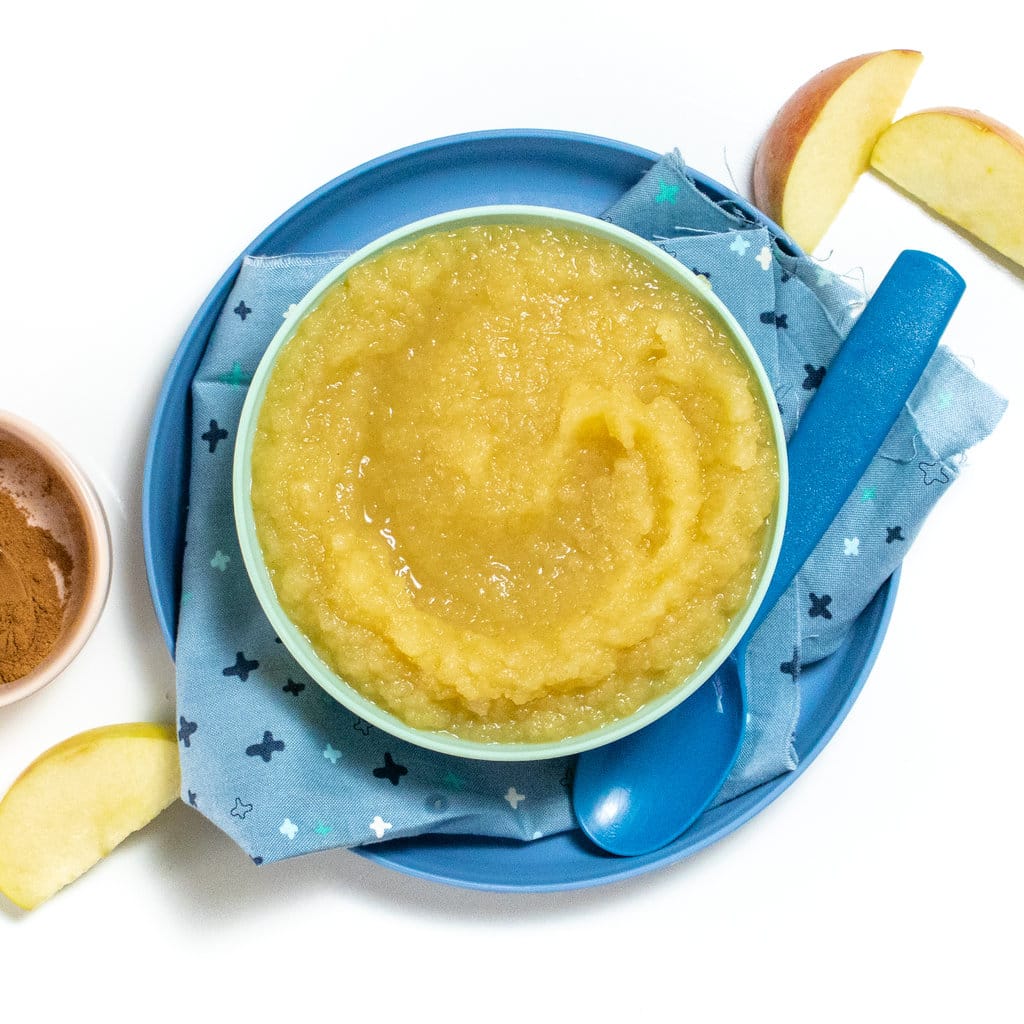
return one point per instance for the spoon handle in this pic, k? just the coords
(858, 402)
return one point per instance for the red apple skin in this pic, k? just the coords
(787, 132)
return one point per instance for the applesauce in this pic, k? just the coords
(512, 481)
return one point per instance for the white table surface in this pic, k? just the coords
(142, 151)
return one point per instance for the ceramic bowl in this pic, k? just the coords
(55, 493)
(299, 645)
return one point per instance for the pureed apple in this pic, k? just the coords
(512, 482)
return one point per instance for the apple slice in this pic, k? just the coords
(821, 140)
(77, 801)
(966, 166)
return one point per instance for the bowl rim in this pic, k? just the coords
(302, 650)
(97, 530)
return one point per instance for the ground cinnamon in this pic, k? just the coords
(30, 614)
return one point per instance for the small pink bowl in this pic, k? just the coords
(57, 496)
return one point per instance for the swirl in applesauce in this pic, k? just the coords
(511, 481)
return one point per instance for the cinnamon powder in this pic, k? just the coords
(31, 615)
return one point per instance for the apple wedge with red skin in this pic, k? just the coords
(964, 165)
(821, 140)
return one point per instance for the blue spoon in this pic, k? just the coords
(638, 794)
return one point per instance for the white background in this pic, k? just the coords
(141, 152)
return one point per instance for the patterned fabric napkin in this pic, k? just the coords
(284, 770)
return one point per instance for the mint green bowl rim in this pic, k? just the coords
(300, 647)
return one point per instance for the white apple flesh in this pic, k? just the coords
(78, 800)
(964, 165)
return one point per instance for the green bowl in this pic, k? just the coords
(300, 647)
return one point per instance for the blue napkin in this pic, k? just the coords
(284, 770)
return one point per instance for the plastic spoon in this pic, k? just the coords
(638, 794)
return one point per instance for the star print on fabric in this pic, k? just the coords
(893, 533)
(293, 687)
(764, 257)
(240, 810)
(289, 828)
(379, 826)
(186, 730)
(706, 274)
(824, 277)
(236, 376)
(192, 798)
(242, 667)
(186, 597)
(288, 312)
(214, 435)
(815, 375)
(514, 798)
(331, 754)
(391, 771)
(785, 276)
(220, 560)
(792, 668)
(779, 319)
(566, 780)
(267, 748)
(436, 802)
(453, 781)
(945, 400)
(257, 861)
(666, 193)
(819, 606)
(322, 829)
(739, 245)
(851, 545)
(242, 310)
(933, 473)
(360, 726)
(868, 494)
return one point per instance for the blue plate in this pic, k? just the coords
(543, 168)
